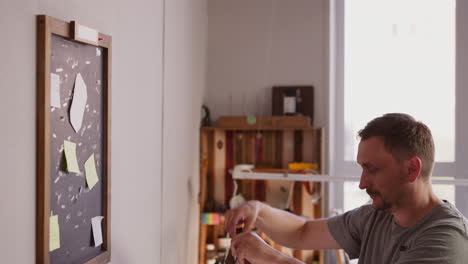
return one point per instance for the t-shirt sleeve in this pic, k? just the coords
(438, 245)
(347, 229)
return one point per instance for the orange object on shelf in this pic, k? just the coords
(302, 166)
(304, 171)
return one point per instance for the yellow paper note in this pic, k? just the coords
(91, 174)
(54, 233)
(70, 156)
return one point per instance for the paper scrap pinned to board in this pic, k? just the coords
(54, 233)
(70, 156)
(55, 90)
(80, 96)
(91, 174)
(97, 231)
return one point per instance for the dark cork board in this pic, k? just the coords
(59, 192)
(71, 199)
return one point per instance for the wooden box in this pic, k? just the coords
(264, 122)
(307, 100)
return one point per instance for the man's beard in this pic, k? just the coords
(386, 205)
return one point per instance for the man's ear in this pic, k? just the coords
(414, 168)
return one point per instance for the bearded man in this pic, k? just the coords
(405, 223)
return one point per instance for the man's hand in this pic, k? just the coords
(245, 214)
(284, 228)
(249, 246)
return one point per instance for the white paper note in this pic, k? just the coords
(55, 90)
(80, 96)
(97, 232)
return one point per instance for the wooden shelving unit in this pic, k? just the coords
(223, 148)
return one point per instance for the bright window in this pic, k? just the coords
(400, 57)
(396, 56)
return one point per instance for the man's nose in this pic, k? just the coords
(363, 183)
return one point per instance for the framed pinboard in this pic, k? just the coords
(73, 143)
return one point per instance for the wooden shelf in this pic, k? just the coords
(301, 177)
(266, 148)
(212, 128)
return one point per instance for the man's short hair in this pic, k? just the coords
(403, 137)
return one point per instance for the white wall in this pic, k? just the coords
(256, 44)
(137, 28)
(184, 82)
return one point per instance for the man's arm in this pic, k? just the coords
(285, 228)
(294, 231)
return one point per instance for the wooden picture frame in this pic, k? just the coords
(51, 32)
(307, 100)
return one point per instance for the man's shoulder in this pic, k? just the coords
(438, 244)
(444, 219)
(447, 216)
(447, 237)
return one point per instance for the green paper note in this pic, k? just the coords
(70, 155)
(54, 233)
(91, 174)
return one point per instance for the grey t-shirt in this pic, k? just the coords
(373, 236)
